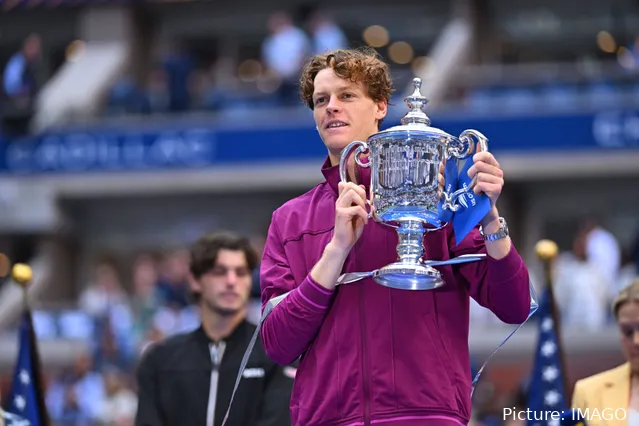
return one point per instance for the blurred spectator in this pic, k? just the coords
(177, 66)
(113, 349)
(146, 298)
(284, 52)
(120, 403)
(107, 302)
(75, 399)
(580, 288)
(158, 95)
(217, 85)
(126, 97)
(104, 292)
(172, 312)
(173, 283)
(326, 34)
(21, 83)
(604, 253)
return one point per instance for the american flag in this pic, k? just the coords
(546, 393)
(25, 404)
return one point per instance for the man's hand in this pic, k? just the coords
(490, 181)
(350, 216)
(350, 219)
(490, 177)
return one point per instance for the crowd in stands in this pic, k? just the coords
(185, 79)
(182, 81)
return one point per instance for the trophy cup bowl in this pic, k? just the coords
(405, 191)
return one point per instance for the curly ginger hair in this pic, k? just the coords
(356, 65)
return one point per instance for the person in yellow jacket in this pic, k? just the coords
(611, 398)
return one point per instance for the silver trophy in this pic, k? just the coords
(405, 192)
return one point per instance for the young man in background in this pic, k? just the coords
(188, 379)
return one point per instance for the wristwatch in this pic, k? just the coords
(502, 233)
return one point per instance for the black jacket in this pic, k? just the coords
(175, 375)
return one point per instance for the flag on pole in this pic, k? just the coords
(26, 398)
(547, 398)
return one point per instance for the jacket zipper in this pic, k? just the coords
(217, 352)
(365, 376)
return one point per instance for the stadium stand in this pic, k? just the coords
(131, 130)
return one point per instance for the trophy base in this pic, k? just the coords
(406, 276)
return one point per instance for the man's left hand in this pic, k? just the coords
(490, 180)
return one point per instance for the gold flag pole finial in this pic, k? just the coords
(22, 274)
(546, 250)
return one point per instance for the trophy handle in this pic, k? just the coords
(466, 145)
(362, 147)
(460, 151)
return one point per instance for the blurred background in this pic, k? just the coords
(128, 130)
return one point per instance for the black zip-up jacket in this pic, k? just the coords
(177, 375)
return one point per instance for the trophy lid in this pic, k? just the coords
(416, 103)
(416, 119)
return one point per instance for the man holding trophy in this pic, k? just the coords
(371, 272)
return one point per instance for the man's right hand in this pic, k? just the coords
(350, 219)
(350, 216)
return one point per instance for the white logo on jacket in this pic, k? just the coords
(253, 373)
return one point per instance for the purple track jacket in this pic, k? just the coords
(371, 355)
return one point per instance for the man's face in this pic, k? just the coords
(628, 320)
(343, 111)
(225, 289)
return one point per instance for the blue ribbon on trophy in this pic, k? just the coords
(451, 178)
(473, 207)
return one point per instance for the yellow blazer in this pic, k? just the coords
(603, 394)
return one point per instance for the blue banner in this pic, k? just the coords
(182, 146)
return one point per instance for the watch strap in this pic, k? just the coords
(500, 234)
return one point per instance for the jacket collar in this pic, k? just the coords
(202, 337)
(331, 174)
